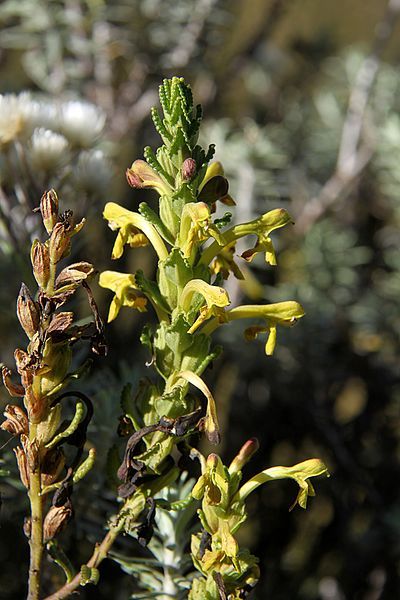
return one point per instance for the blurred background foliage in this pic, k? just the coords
(303, 104)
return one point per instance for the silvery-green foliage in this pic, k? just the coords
(167, 571)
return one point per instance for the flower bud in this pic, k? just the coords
(27, 312)
(41, 263)
(59, 242)
(22, 466)
(188, 169)
(16, 420)
(133, 179)
(55, 521)
(244, 455)
(49, 209)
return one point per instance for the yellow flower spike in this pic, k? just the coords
(216, 300)
(301, 473)
(124, 287)
(142, 175)
(211, 426)
(196, 227)
(131, 224)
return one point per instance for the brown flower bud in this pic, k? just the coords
(244, 455)
(27, 528)
(22, 466)
(133, 179)
(27, 312)
(16, 420)
(59, 241)
(49, 209)
(14, 389)
(188, 169)
(41, 263)
(55, 521)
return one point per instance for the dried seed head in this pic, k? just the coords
(49, 209)
(27, 312)
(59, 241)
(36, 406)
(31, 449)
(22, 466)
(52, 466)
(55, 520)
(41, 263)
(74, 274)
(188, 169)
(14, 389)
(16, 420)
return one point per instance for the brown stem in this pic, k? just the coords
(99, 554)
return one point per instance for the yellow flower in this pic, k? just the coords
(301, 473)
(216, 299)
(134, 229)
(281, 313)
(210, 423)
(223, 263)
(126, 292)
(196, 227)
(261, 227)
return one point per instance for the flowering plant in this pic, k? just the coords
(195, 254)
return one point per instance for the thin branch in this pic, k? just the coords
(355, 150)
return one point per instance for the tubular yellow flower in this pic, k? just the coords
(196, 227)
(142, 175)
(301, 473)
(130, 222)
(216, 299)
(213, 170)
(126, 292)
(280, 313)
(261, 227)
(211, 426)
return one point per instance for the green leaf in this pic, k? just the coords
(151, 216)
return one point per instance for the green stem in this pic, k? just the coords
(36, 538)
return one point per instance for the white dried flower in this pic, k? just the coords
(93, 173)
(47, 151)
(18, 116)
(81, 122)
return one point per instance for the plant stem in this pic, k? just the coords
(36, 538)
(99, 554)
